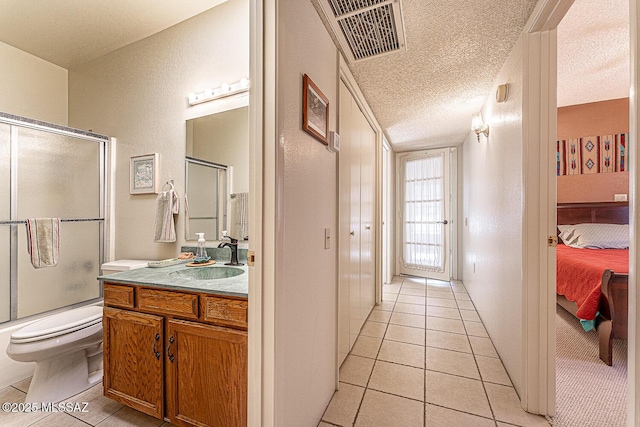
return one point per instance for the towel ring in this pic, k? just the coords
(170, 184)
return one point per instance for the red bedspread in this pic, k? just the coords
(579, 275)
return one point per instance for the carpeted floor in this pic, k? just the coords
(588, 392)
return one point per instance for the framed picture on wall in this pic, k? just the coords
(144, 174)
(315, 111)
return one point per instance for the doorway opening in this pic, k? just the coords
(592, 188)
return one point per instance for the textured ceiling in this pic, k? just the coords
(593, 52)
(72, 32)
(426, 95)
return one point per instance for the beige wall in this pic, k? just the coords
(492, 205)
(32, 87)
(138, 94)
(306, 300)
(593, 119)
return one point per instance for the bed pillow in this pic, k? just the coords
(595, 236)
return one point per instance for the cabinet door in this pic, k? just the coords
(206, 375)
(133, 362)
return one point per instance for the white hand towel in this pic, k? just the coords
(167, 205)
(43, 241)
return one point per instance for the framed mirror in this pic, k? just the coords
(217, 175)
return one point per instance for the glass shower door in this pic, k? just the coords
(59, 176)
(5, 215)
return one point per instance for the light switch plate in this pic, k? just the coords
(327, 238)
(334, 142)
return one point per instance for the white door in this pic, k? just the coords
(357, 179)
(367, 214)
(424, 213)
(355, 313)
(387, 210)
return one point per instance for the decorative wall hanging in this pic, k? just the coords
(592, 154)
(144, 174)
(315, 111)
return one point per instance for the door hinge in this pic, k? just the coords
(552, 241)
(251, 258)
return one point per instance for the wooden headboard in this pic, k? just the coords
(603, 212)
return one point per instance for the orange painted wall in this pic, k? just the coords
(597, 118)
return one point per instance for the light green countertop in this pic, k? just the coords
(172, 278)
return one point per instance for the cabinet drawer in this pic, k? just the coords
(120, 296)
(225, 311)
(168, 302)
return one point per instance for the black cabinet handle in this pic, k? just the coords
(155, 342)
(169, 355)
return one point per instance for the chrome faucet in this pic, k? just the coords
(233, 245)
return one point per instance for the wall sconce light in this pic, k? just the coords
(502, 92)
(478, 126)
(221, 92)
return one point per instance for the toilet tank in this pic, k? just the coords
(123, 265)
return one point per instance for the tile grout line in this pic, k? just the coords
(424, 374)
(366, 387)
(425, 370)
(374, 366)
(89, 424)
(479, 372)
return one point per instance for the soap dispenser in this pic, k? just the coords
(201, 253)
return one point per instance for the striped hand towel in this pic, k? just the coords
(167, 205)
(240, 215)
(187, 231)
(43, 241)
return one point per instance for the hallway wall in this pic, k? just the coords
(306, 286)
(492, 211)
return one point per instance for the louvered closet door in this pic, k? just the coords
(424, 201)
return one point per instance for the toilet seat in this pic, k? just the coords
(58, 324)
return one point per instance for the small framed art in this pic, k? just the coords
(144, 174)
(315, 111)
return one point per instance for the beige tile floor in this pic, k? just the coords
(100, 411)
(423, 358)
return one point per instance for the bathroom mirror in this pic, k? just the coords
(217, 175)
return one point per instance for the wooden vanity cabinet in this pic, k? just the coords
(179, 355)
(206, 375)
(133, 362)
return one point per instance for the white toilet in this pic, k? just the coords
(67, 349)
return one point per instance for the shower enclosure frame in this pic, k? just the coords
(14, 222)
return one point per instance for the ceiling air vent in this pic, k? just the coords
(366, 28)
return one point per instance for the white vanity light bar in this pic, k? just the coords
(221, 92)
